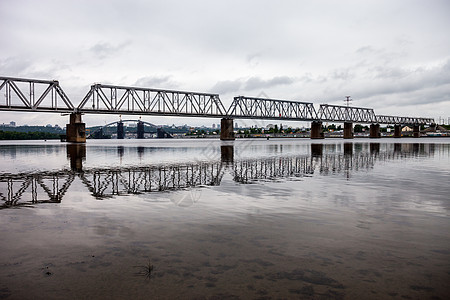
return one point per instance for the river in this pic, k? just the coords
(205, 219)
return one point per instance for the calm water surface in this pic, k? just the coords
(205, 219)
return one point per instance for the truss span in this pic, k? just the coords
(20, 94)
(340, 113)
(33, 95)
(260, 108)
(381, 119)
(135, 100)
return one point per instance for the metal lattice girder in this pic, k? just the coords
(340, 113)
(33, 95)
(261, 108)
(135, 100)
(403, 120)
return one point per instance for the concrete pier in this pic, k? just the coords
(76, 129)
(120, 132)
(397, 131)
(140, 130)
(416, 130)
(226, 129)
(348, 130)
(316, 130)
(375, 131)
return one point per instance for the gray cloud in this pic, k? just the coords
(220, 47)
(250, 84)
(255, 83)
(227, 86)
(155, 82)
(103, 49)
(342, 74)
(407, 81)
(14, 66)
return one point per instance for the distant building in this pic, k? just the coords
(12, 124)
(214, 126)
(49, 125)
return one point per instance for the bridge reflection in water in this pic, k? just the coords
(27, 189)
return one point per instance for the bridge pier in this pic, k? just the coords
(397, 131)
(140, 130)
(348, 130)
(375, 131)
(316, 130)
(226, 129)
(76, 129)
(416, 130)
(120, 132)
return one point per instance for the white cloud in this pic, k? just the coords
(386, 54)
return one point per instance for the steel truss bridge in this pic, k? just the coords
(28, 189)
(47, 96)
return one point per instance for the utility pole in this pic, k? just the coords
(348, 100)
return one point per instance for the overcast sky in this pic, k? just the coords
(391, 55)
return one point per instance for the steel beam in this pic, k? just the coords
(33, 95)
(145, 101)
(338, 113)
(260, 108)
(382, 119)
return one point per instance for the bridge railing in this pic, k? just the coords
(261, 108)
(135, 100)
(33, 95)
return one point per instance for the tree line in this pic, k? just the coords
(35, 135)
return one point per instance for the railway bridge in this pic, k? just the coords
(31, 95)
